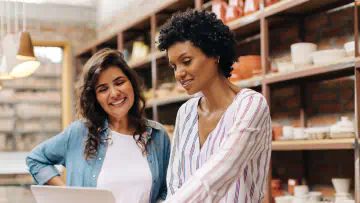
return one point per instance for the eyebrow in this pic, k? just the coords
(112, 81)
(182, 55)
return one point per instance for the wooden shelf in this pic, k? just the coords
(247, 24)
(253, 82)
(146, 61)
(343, 68)
(328, 144)
(29, 102)
(169, 100)
(293, 7)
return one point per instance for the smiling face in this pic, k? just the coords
(114, 92)
(192, 68)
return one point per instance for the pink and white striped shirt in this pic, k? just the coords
(232, 164)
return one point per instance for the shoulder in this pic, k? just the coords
(158, 131)
(248, 94)
(76, 128)
(188, 106)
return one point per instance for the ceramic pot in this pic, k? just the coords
(219, 8)
(252, 62)
(243, 71)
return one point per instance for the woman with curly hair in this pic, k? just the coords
(114, 146)
(221, 145)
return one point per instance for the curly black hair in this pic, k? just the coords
(204, 31)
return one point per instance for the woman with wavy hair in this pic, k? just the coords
(113, 146)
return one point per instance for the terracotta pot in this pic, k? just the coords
(251, 6)
(252, 62)
(238, 3)
(270, 2)
(277, 131)
(232, 13)
(219, 8)
(242, 70)
(275, 184)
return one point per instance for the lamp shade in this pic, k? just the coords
(26, 48)
(24, 69)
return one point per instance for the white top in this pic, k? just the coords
(232, 165)
(125, 171)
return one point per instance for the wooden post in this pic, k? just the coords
(120, 42)
(154, 66)
(198, 4)
(264, 29)
(357, 103)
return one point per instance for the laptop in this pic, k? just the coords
(51, 194)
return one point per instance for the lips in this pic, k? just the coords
(118, 103)
(186, 83)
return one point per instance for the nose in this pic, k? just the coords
(114, 92)
(180, 73)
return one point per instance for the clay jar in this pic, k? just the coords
(277, 131)
(270, 2)
(251, 6)
(219, 8)
(232, 13)
(242, 71)
(252, 62)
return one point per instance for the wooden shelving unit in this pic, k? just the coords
(327, 144)
(255, 25)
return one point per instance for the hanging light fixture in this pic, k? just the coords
(7, 44)
(26, 54)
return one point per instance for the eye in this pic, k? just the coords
(187, 62)
(102, 89)
(119, 83)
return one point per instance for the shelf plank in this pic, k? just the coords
(346, 67)
(245, 21)
(141, 63)
(253, 82)
(302, 6)
(168, 100)
(29, 102)
(328, 144)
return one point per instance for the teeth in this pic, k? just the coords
(187, 82)
(119, 102)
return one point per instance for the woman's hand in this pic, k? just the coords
(56, 181)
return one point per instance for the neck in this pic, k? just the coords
(218, 95)
(120, 125)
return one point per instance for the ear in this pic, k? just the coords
(217, 59)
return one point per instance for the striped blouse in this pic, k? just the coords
(232, 164)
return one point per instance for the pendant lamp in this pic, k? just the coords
(7, 45)
(26, 54)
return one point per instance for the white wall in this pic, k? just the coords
(107, 9)
(56, 13)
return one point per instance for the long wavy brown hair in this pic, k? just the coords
(89, 109)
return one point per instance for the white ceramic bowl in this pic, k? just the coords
(301, 53)
(284, 199)
(299, 134)
(288, 132)
(301, 190)
(315, 196)
(341, 185)
(284, 67)
(328, 56)
(350, 48)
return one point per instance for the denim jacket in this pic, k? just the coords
(67, 149)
